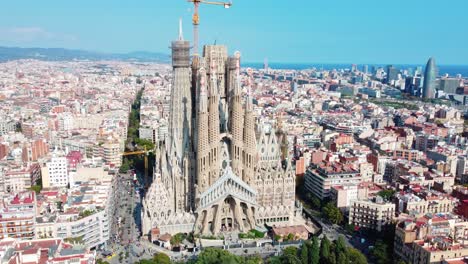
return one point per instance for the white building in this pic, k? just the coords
(55, 172)
(85, 215)
(93, 229)
(6, 126)
(65, 122)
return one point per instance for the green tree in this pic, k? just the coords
(332, 213)
(340, 244)
(215, 256)
(125, 166)
(379, 252)
(274, 260)
(144, 143)
(100, 261)
(331, 259)
(161, 258)
(315, 251)
(290, 237)
(316, 203)
(177, 239)
(36, 188)
(325, 250)
(305, 254)
(386, 194)
(356, 257)
(290, 256)
(341, 258)
(253, 260)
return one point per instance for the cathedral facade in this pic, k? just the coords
(218, 170)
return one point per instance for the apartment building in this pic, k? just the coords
(55, 172)
(432, 238)
(320, 178)
(371, 214)
(425, 201)
(17, 216)
(84, 212)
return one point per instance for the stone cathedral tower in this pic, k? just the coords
(218, 171)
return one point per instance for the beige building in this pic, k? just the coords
(345, 195)
(431, 239)
(426, 202)
(371, 214)
(319, 179)
(438, 251)
(110, 152)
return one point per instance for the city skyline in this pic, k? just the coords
(303, 32)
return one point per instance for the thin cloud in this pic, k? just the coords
(33, 34)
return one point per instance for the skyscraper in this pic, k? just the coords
(392, 74)
(265, 65)
(429, 79)
(218, 170)
(449, 85)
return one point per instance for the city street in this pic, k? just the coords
(125, 221)
(330, 230)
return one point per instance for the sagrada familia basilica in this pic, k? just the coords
(219, 169)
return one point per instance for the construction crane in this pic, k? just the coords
(145, 155)
(196, 18)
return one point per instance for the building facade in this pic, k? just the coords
(55, 172)
(437, 238)
(371, 214)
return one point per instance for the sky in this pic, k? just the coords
(288, 31)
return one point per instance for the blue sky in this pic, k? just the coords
(302, 31)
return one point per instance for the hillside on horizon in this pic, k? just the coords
(62, 54)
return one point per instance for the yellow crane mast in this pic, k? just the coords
(145, 155)
(196, 18)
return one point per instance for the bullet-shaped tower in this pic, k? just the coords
(203, 144)
(250, 143)
(213, 123)
(429, 79)
(237, 119)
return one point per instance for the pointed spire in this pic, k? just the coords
(213, 75)
(181, 35)
(203, 106)
(237, 55)
(213, 65)
(249, 106)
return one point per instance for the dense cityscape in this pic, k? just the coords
(117, 159)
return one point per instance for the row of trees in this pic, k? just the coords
(159, 258)
(136, 161)
(326, 208)
(325, 252)
(311, 252)
(134, 118)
